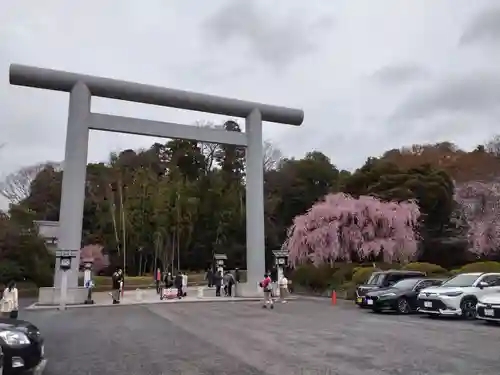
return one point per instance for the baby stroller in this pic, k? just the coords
(168, 293)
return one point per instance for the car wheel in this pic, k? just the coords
(468, 307)
(403, 306)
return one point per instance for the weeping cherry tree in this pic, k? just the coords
(480, 209)
(342, 228)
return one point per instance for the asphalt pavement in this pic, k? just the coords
(300, 337)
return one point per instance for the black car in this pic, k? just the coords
(400, 297)
(383, 279)
(22, 346)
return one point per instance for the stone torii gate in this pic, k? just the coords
(80, 120)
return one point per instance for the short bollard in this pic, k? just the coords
(200, 292)
(138, 295)
(334, 297)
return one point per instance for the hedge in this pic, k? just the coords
(362, 274)
(429, 268)
(345, 277)
(479, 267)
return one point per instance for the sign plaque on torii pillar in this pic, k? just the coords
(80, 120)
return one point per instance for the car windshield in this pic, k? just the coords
(406, 284)
(376, 279)
(461, 280)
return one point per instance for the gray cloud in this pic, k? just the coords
(399, 74)
(477, 93)
(485, 27)
(275, 40)
(284, 52)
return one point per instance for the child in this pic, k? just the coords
(266, 286)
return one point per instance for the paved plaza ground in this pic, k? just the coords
(305, 336)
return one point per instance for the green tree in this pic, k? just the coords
(292, 189)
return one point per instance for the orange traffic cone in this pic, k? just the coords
(334, 297)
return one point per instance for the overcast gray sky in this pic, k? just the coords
(370, 75)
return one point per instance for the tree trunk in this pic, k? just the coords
(120, 192)
(113, 218)
(173, 251)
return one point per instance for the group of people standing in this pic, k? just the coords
(223, 281)
(267, 286)
(178, 282)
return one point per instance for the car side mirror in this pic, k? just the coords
(483, 284)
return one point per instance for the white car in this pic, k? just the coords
(488, 307)
(458, 296)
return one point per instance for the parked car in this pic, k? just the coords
(400, 297)
(488, 307)
(458, 296)
(1, 361)
(22, 346)
(383, 279)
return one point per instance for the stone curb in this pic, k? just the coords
(35, 306)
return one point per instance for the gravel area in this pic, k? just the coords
(301, 337)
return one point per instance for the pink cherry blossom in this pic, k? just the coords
(480, 209)
(341, 227)
(94, 253)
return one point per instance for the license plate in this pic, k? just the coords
(427, 304)
(489, 312)
(369, 301)
(42, 351)
(359, 300)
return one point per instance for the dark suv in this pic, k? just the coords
(382, 279)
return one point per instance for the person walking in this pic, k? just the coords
(283, 284)
(169, 281)
(267, 288)
(210, 277)
(178, 284)
(230, 284)
(237, 279)
(117, 283)
(9, 304)
(218, 283)
(225, 281)
(158, 281)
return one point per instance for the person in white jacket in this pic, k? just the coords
(184, 283)
(9, 304)
(283, 285)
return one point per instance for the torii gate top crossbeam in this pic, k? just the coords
(30, 76)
